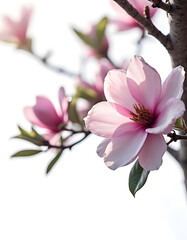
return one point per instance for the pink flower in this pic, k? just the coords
(138, 111)
(97, 86)
(100, 49)
(15, 31)
(125, 21)
(44, 115)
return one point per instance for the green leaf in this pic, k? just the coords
(32, 136)
(85, 38)
(34, 140)
(72, 111)
(137, 178)
(52, 163)
(36, 134)
(180, 124)
(100, 29)
(26, 153)
(86, 93)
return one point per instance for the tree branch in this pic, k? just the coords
(175, 137)
(62, 147)
(52, 67)
(162, 5)
(146, 23)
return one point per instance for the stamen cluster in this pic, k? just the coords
(142, 114)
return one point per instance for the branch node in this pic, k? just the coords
(146, 12)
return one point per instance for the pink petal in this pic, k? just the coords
(126, 21)
(52, 137)
(124, 148)
(46, 113)
(172, 86)
(141, 80)
(103, 120)
(116, 89)
(102, 147)
(140, 5)
(26, 13)
(31, 117)
(80, 82)
(124, 24)
(22, 24)
(122, 110)
(104, 67)
(173, 109)
(8, 31)
(63, 104)
(150, 156)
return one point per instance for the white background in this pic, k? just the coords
(81, 198)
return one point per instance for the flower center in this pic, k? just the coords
(142, 114)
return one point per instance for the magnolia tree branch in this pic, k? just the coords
(52, 67)
(162, 5)
(62, 147)
(146, 23)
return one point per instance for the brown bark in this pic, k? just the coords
(176, 44)
(178, 35)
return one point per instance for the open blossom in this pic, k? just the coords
(15, 31)
(138, 111)
(43, 114)
(125, 21)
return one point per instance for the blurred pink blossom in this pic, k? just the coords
(97, 86)
(125, 21)
(43, 114)
(101, 49)
(103, 67)
(138, 111)
(15, 30)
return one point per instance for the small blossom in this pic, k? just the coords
(99, 49)
(43, 114)
(138, 111)
(97, 86)
(103, 67)
(15, 31)
(125, 21)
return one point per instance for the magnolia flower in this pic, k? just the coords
(103, 67)
(138, 111)
(125, 21)
(99, 49)
(15, 31)
(83, 106)
(43, 114)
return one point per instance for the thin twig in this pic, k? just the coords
(175, 137)
(52, 67)
(62, 147)
(146, 23)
